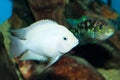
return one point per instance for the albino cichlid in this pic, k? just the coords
(41, 41)
(90, 30)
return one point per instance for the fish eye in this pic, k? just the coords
(64, 38)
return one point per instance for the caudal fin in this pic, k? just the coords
(16, 47)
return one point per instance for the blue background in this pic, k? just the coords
(7, 5)
(115, 5)
(5, 10)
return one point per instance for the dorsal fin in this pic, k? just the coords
(44, 21)
(47, 21)
(20, 33)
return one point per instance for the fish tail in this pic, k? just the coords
(16, 47)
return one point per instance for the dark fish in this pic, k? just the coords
(92, 30)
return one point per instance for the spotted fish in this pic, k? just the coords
(92, 30)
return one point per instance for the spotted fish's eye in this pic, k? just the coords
(64, 38)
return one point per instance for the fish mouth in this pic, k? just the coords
(76, 43)
(104, 35)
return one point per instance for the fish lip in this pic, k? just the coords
(76, 43)
(104, 36)
(101, 38)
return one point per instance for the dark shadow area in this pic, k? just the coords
(94, 54)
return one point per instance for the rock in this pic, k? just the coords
(16, 22)
(113, 46)
(110, 74)
(22, 15)
(92, 8)
(103, 9)
(67, 68)
(7, 69)
(48, 9)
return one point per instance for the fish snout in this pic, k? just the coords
(76, 42)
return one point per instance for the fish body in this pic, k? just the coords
(92, 30)
(42, 40)
(74, 22)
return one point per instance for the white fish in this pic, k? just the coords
(43, 40)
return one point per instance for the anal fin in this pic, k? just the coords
(52, 61)
(29, 55)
